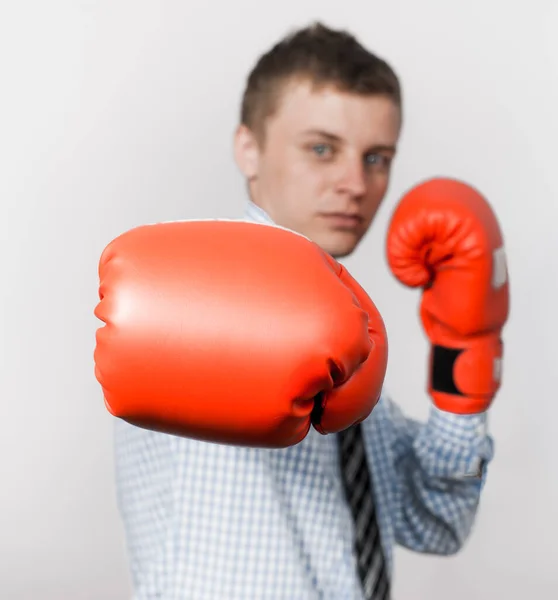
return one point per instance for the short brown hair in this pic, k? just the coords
(322, 55)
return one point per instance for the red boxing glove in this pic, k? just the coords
(236, 333)
(445, 238)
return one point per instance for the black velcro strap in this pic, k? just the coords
(443, 361)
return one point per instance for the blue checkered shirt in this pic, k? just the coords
(206, 521)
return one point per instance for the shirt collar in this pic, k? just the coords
(256, 214)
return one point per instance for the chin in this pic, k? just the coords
(338, 253)
(340, 246)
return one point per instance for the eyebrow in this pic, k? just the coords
(335, 138)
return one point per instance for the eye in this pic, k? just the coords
(322, 150)
(377, 160)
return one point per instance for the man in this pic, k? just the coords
(320, 123)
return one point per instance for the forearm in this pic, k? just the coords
(441, 468)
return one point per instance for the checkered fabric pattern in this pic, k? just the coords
(206, 522)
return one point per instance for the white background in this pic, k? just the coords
(117, 113)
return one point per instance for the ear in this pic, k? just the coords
(246, 152)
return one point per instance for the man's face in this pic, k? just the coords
(323, 168)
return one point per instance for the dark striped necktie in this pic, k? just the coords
(358, 488)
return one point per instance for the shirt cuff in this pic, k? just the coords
(454, 445)
(461, 430)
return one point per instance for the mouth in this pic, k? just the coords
(341, 220)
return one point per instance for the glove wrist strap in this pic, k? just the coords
(465, 378)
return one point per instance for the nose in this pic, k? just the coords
(352, 178)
